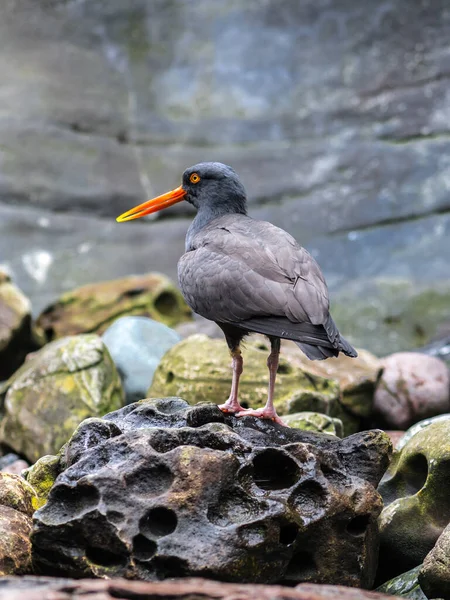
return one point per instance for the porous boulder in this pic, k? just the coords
(16, 509)
(199, 370)
(61, 385)
(161, 489)
(413, 386)
(17, 335)
(415, 491)
(434, 577)
(136, 345)
(94, 307)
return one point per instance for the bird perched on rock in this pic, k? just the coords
(248, 276)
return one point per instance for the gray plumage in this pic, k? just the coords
(250, 274)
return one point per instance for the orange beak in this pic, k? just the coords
(153, 205)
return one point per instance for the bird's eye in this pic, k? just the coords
(194, 178)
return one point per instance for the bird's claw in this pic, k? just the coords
(231, 408)
(262, 413)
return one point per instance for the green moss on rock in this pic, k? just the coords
(198, 370)
(41, 476)
(66, 382)
(313, 421)
(92, 308)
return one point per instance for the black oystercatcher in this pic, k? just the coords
(248, 276)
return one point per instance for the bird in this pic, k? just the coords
(248, 276)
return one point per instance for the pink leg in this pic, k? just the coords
(232, 404)
(268, 412)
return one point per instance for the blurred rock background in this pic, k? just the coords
(335, 113)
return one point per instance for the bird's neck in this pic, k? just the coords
(206, 214)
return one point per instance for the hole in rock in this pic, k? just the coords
(68, 502)
(158, 522)
(143, 548)
(302, 567)
(309, 498)
(358, 525)
(415, 473)
(166, 303)
(274, 470)
(104, 558)
(152, 480)
(284, 368)
(49, 333)
(169, 566)
(235, 506)
(170, 377)
(288, 534)
(114, 516)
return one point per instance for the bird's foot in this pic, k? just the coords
(262, 413)
(231, 407)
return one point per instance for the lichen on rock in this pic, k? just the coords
(60, 386)
(94, 307)
(199, 370)
(16, 509)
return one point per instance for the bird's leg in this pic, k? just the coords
(232, 404)
(268, 412)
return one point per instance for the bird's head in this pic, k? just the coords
(207, 185)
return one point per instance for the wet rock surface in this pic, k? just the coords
(434, 577)
(405, 585)
(413, 386)
(199, 370)
(159, 489)
(94, 307)
(136, 345)
(45, 588)
(65, 382)
(415, 491)
(16, 509)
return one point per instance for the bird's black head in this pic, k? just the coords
(215, 187)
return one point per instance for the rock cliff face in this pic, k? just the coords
(336, 115)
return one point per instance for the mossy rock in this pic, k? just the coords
(313, 421)
(198, 370)
(357, 377)
(416, 492)
(17, 334)
(405, 585)
(16, 493)
(434, 577)
(16, 509)
(41, 476)
(94, 307)
(66, 382)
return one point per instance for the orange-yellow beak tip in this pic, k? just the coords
(154, 205)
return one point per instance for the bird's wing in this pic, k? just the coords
(241, 268)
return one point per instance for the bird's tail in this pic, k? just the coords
(316, 341)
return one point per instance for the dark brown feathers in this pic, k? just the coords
(255, 276)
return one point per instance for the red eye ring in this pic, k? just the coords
(194, 178)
